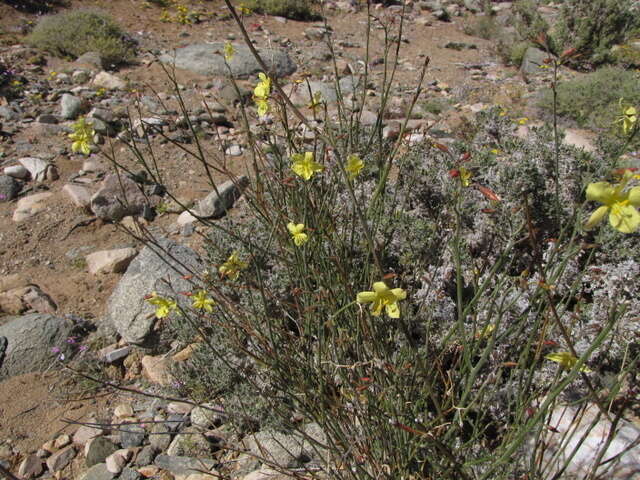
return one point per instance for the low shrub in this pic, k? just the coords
(293, 9)
(73, 33)
(592, 99)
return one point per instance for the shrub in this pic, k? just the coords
(592, 100)
(485, 238)
(73, 33)
(594, 27)
(293, 9)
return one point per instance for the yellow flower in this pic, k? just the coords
(383, 296)
(523, 121)
(503, 113)
(164, 306)
(263, 106)
(261, 94)
(354, 166)
(202, 301)
(297, 233)
(263, 88)
(229, 51)
(465, 177)
(495, 151)
(304, 165)
(244, 10)
(316, 101)
(566, 360)
(620, 205)
(628, 119)
(82, 137)
(232, 267)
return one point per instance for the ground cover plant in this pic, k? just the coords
(75, 32)
(425, 305)
(593, 100)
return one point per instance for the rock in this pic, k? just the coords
(93, 59)
(129, 474)
(80, 196)
(206, 59)
(300, 96)
(577, 438)
(118, 197)
(146, 455)
(123, 410)
(186, 218)
(205, 418)
(9, 188)
(110, 261)
(533, 58)
(217, 203)
(278, 448)
(30, 339)
(112, 353)
(234, 150)
(117, 460)
(39, 170)
(17, 171)
(109, 81)
(39, 301)
(61, 459)
(80, 76)
(70, 106)
(156, 369)
(47, 118)
(29, 206)
(131, 436)
(7, 113)
(160, 437)
(62, 441)
(127, 309)
(265, 473)
(98, 472)
(12, 281)
(30, 467)
(97, 450)
(189, 443)
(85, 434)
(149, 471)
(184, 465)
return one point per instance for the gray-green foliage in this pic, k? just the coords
(294, 9)
(592, 100)
(73, 33)
(595, 26)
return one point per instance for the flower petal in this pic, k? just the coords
(625, 219)
(399, 293)
(380, 287)
(600, 192)
(366, 297)
(634, 196)
(393, 311)
(596, 217)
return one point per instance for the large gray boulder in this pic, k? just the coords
(532, 60)
(208, 59)
(118, 197)
(26, 343)
(127, 310)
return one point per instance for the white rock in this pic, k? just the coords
(39, 169)
(117, 460)
(111, 82)
(17, 171)
(579, 138)
(110, 261)
(185, 218)
(123, 410)
(79, 195)
(29, 206)
(568, 427)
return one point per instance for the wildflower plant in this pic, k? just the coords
(413, 317)
(82, 137)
